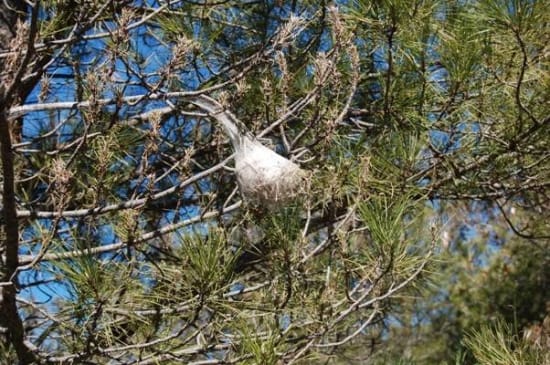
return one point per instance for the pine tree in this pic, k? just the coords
(129, 238)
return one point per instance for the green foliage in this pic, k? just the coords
(498, 344)
(422, 237)
(208, 262)
(511, 286)
(256, 349)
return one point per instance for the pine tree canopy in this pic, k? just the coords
(274, 182)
